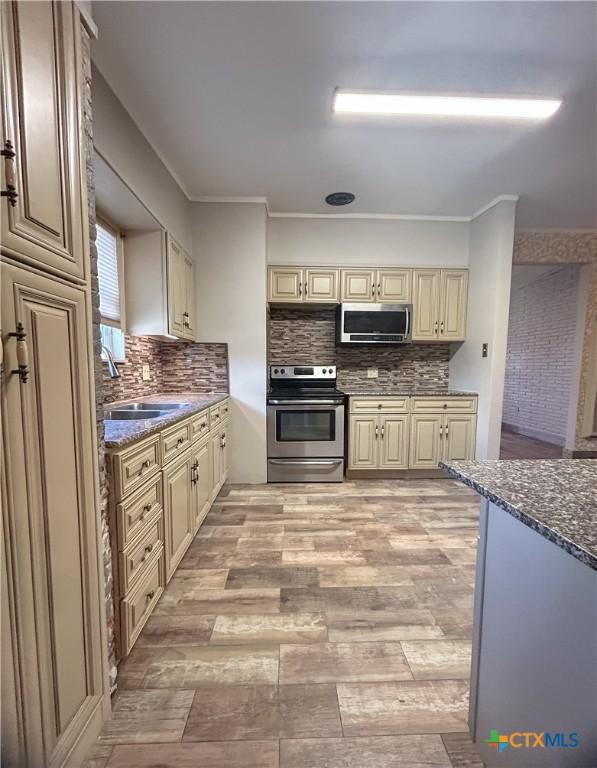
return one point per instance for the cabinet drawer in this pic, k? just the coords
(137, 606)
(199, 425)
(444, 405)
(132, 514)
(379, 405)
(215, 417)
(133, 467)
(136, 558)
(175, 440)
(224, 410)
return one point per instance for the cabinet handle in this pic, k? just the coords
(150, 594)
(373, 290)
(9, 155)
(447, 433)
(180, 441)
(376, 432)
(379, 289)
(436, 326)
(144, 465)
(441, 432)
(442, 326)
(383, 431)
(379, 406)
(300, 287)
(22, 369)
(147, 507)
(148, 551)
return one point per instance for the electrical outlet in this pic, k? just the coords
(146, 372)
(372, 373)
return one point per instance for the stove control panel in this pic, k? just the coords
(302, 371)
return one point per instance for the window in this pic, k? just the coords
(109, 268)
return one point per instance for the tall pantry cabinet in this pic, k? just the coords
(54, 681)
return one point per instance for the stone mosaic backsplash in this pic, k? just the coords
(308, 336)
(174, 367)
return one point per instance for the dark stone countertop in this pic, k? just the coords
(555, 497)
(398, 392)
(118, 433)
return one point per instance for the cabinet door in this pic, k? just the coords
(285, 285)
(216, 465)
(459, 437)
(201, 483)
(454, 284)
(426, 285)
(321, 285)
(225, 457)
(177, 296)
(358, 285)
(425, 441)
(393, 446)
(363, 442)
(393, 285)
(178, 516)
(189, 295)
(40, 117)
(49, 516)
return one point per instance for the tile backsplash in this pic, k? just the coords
(308, 336)
(174, 367)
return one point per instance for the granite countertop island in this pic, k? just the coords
(389, 391)
(120, 432)
(556, 497)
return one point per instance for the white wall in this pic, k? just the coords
(229, 243)
(490, 269)
(122, 145)
(384, 242)
(541, 356)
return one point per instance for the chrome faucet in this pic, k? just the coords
(112, 369)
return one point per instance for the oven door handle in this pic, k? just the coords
(303, 402)
(304, 462)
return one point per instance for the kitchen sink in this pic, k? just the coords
(118, 414)
(149, 407)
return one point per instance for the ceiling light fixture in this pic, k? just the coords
(498, 107)
(340, 198)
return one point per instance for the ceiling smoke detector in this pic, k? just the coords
(340, 198)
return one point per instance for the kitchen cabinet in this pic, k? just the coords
(296, 285)
(378, 442)
(439, 437)
(201, 482)
(44, 221)
(56, 651)
(439, 304)
(179, 518)
(159, 286)
(388, 285)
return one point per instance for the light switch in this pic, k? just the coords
(146, 372)
(372, 373)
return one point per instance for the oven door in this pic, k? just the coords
(298, 429)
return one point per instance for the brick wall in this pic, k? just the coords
(308, 336)
(174, 367)
(540, 355)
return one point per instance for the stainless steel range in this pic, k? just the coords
(305, 425)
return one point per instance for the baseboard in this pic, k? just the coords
(396, 474)
(578, 454)
(536, 434)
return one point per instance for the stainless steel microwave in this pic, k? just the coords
(374, 323)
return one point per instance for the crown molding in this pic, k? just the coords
(493, 203)
(382, 216)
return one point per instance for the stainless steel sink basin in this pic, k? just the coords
(118, 414)
(149, 407)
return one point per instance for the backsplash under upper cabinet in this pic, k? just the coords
(308, 336)
(173, 366)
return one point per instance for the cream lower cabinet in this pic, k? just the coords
(219, 460)
(378, 442)
(201, 480)
(52, 612)
(441, 437)
(179, 517)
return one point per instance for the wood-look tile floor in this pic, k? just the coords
(515, 446)
(309, 626)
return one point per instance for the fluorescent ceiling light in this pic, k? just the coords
(444, 106)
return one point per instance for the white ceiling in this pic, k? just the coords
(236, 98)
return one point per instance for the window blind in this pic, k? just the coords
(108, 274)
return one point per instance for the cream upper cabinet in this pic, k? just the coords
(458, 437)
(394, 439)
(358, 285)
(159, 286)
(393, 286)
(454, 297)
(425, 441)
(201, 482)
(363, 442)
(50, 517)
(43, 222)
(321, 285)
(439, 304)
(285, 284)
(426, 288)
(179, 520)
